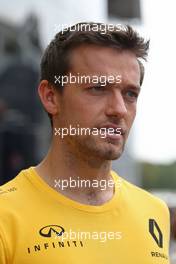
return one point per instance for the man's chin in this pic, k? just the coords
(110, 152)
(106, 149)
(112, 155)
(98, 149)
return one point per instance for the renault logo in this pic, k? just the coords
(156, 233)
(51, 230)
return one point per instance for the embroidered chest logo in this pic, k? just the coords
(51, 230)
(155, 232)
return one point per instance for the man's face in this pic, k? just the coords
(90, 105)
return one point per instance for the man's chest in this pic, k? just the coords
(105, 238)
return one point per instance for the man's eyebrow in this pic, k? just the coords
(107, 83)
(134, 87)
(104, 82)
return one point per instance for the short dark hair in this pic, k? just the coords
(55, 60)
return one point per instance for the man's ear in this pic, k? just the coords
(49, 97)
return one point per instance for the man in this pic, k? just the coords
(59, 211)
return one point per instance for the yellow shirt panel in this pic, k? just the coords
(39, 225)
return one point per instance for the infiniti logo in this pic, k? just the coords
(51, 231)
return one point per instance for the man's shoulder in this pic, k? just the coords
(12, 191)
(141, 197)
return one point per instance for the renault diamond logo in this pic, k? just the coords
(51, 230)
(156, 233)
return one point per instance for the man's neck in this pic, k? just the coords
(77, 179)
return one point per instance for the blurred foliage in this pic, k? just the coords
(158, 175)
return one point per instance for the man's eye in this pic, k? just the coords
(132, 95)
(97, 88)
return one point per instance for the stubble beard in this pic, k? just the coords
(93, 148)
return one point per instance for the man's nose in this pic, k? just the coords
(116, 105)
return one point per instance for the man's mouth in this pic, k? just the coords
(112, 132)
(112, 129)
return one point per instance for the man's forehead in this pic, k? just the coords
(92, 59)
(91, 50)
